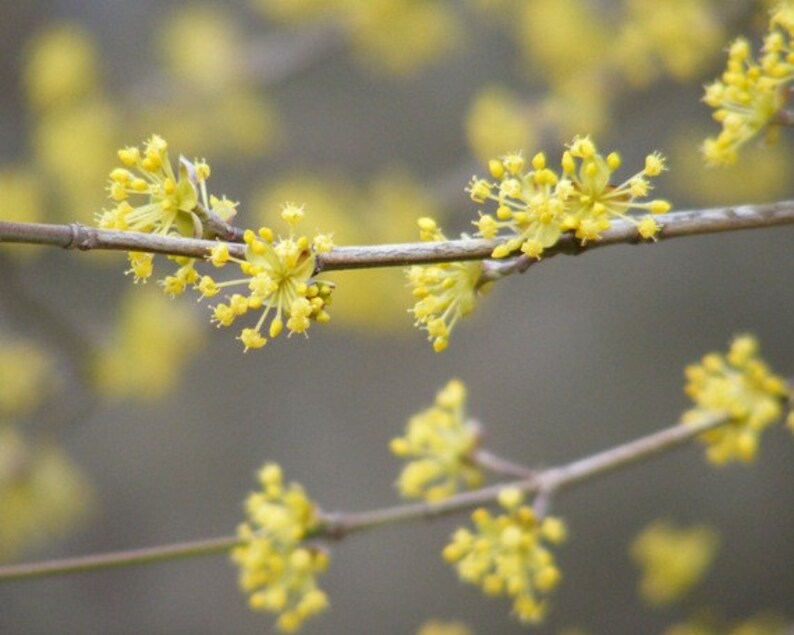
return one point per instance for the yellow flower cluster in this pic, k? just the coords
(439, 443)
(445, 292)
(672, 560)
(278, 279)
(536, 205)
(750, 95)
(741, 386)
(506, 554)
(276, 568)
(172, 204)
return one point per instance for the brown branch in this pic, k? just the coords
(674, 225)
(340, 525)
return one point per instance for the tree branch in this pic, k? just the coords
(340, 525)
(674, 225)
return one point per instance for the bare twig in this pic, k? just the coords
(675, 225)
(340, 525)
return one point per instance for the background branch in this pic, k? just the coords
(336, 526)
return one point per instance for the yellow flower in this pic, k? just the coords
(277, 569)
(278, 279)
(172, 205)
(750, 94)
(535, 205)
(445, 292)
(507, 555)
(439, 443)
(672, 560)
(741, 386)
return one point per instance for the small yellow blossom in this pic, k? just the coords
(439, 443)
(277, 568)
(535, 205)
(672, 560)
(507, 555)
(278, 278)
(741, 386)
(171, 205)
(751, 94)
(445, 292)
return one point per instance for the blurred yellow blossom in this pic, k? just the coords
(61, 66)
(678, 37)
(561, 40)
(277, 569)
(761, 177)
(672, 560)
(741, 386)
(437, 627)
(152, 342)
(73, 146)
(22, 194)
(200, 46)
(399, 37)
(43, 494)
(498, 120)
(28, 376)
(439, 444)
(507, 554)
(402, 36)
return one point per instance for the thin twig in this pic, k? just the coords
(500, 465)
(340, 525)
(674, 225)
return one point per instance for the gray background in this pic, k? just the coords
(573, 357)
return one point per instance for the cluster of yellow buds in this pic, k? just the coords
(170, 204)
(741, 386)
(750, 95)
(278, 280)
(506, 554)
(276, 568)
(672, 559)
(535, 205)
(445, 292)
(439, 443)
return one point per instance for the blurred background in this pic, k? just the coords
(126, 420)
